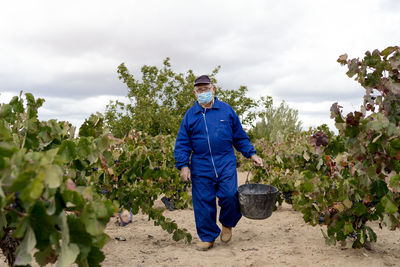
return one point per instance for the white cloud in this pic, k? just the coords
(67, 109)
(313, 114)
(68, 52)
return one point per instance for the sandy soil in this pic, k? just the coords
(280, 240)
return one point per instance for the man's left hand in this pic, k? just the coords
(257, 161)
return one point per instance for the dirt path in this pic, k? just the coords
(281, 240)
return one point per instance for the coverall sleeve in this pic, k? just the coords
(240, 139)
(183, 147)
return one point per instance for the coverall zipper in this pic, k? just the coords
(209, 146)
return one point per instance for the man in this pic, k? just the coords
(208, 132)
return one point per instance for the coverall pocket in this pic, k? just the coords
(224, 129)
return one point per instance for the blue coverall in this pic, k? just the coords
(207, 137)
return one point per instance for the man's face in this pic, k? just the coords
(203, 88)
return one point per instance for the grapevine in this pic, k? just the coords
(52, 198)
(347, 180)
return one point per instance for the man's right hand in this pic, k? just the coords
(185, 174)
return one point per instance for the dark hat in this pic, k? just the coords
(202, 79)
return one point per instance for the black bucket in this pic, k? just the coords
(257, 200)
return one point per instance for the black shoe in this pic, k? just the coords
(168, 203)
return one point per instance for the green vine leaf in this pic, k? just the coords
(24, 250)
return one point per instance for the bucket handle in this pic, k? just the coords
(247, 179)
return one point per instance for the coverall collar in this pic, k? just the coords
(198, 108)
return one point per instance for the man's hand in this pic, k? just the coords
(185, 174)
(257, 161)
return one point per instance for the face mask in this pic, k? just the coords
(205, 98)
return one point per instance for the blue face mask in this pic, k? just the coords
(205, 98)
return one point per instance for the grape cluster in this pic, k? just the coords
(354, 120)
(321, 219)
(319, 139)
(288, 197)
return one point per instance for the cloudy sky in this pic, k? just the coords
(68, 51)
